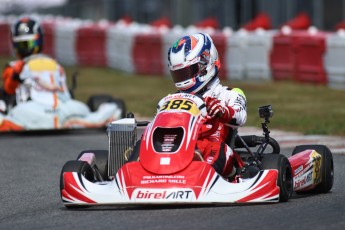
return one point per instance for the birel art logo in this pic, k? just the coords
(163, 195)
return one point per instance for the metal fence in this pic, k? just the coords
(324, 14)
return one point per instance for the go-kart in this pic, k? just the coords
(36, 115)
(164, 167)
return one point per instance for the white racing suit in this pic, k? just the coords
(44, 102)
(214, 149)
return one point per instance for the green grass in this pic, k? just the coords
(306, 108)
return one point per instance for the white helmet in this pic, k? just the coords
(193, 62)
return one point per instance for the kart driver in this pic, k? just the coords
(38, 84)
(27, 40)
(194, 66)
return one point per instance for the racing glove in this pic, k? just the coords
(17, 69)
(215, 109)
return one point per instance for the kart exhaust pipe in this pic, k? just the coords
(122, 136)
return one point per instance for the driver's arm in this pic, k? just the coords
(230, 108)
(10, 76)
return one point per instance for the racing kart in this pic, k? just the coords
(37, 116)
(164, 167)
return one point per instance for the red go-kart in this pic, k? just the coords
(164, 166)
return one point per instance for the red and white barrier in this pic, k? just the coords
(65, 42)
(119, 46)
(5, 33)
(287, 54)
(90, 45)
(334, 60)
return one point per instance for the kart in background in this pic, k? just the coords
(37, 117)
(164, 166)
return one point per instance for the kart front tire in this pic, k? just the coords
(101, 161)
(285, 180)
(81, 167)
(327, 166)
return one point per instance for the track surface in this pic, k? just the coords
(30, 198)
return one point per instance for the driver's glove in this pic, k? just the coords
(17, 69)
(215, 109)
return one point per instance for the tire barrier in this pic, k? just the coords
(309, 56)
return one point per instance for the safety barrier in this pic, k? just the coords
(235, 55)
(90, 45)
(283, 57)
(49, 38)
(257, 59)
(147, 53)
(65, 40)
(119, 45)
(334, 60)
(5, 36)
(311, 47)
(300, 55)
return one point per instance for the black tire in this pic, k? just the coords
(81, 167)
(327, 166)
(101, 161)
(121, 104)
(96, 100)
(285, 180)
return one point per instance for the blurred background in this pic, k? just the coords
(288, 53)
(323, 14)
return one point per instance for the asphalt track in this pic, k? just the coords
(29, 196)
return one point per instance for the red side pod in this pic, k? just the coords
(299, 161)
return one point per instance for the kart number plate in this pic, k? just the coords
(181, 104)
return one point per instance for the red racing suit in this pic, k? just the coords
(213, 147)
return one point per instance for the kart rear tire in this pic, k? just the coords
(96, 100)
(81, 167)
(327, 167)
(101, 161)
(285, 180)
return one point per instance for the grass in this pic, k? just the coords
(310, 109)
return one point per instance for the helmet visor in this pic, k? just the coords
(186, 73)
(25, 45)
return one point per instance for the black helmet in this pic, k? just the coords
(27, 37)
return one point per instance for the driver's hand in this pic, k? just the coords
(213, 106)
(17, 69)
(215, 109)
